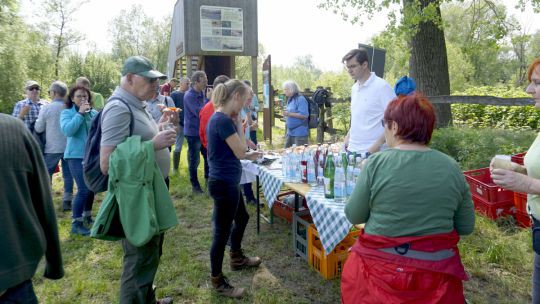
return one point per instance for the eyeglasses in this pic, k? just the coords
(33, 89)
(84, 97)
(352, 66)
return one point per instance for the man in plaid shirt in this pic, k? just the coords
(28, 109)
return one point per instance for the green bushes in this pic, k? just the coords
(473, 148)
(506, 117)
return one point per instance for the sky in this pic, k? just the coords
(287, 28)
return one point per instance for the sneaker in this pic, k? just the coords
(239, 261)
(221, 286)
(77, 227)
(66, 206)
(166, 300)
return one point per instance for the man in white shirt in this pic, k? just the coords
(370, 95)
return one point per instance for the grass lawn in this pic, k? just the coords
(497, 256)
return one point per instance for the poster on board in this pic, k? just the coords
(222, 29)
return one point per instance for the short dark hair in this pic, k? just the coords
(246, 82)
(196, 77)
(414, 116)
(360, 54)
(69, 100)
(220, 79)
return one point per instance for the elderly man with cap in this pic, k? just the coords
(139, 83)
(28, 109)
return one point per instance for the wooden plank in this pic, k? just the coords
(483, 100)
(301, 189)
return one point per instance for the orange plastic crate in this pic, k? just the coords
(329, 266)
(518, 158)
(284, 211)
(483, 186)
(520, 201)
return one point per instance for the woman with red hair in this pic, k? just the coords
(528, 183)
(415, 204)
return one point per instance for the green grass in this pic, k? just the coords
(497, 256)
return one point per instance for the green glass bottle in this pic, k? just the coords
(329, 172)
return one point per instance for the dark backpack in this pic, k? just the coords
(93, 178)
(313, 119)
(321, 96)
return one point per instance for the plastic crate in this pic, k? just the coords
(522, 219)
(518, 158)
(493, 210)
(483, 186)
(329, 266)
(283, 210)
(520, 201)
(301, 222)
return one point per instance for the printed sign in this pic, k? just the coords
(222, 29)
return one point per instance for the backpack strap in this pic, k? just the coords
(131, 122)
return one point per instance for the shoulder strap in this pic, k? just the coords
(131, 122)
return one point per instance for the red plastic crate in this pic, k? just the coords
(518, 158)
(493, 210)
(483, 186)
(520, 201)
(284, 211)
(522, 219)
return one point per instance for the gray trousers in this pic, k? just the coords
(140, 267)
(298, 140)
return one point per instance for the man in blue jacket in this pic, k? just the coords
(194, 100)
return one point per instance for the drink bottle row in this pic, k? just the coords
(327, 166)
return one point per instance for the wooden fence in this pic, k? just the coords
(326, 119)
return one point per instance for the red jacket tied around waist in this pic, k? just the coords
(412, 269)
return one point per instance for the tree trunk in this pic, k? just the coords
(429, 63)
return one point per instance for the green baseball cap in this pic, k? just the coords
(140, 65)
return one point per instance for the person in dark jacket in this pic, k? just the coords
(26, 202)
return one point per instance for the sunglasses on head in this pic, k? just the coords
(33, 89)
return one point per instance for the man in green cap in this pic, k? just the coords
(139, 83)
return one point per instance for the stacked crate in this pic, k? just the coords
(489, 199)
(520, 199)
(283, 206)
(329, 266)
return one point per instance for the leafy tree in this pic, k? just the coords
(303, 72)
(59, 16)
(479, 28)
(422, 21)
(100, 68)
(134, 33)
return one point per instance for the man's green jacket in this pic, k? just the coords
(137, 205)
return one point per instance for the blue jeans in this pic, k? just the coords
(51, 161)
(20, 294)
(253, 136)
(179, 140)
(228, 208)
(84, 198)
(194, 148)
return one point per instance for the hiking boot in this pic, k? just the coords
(197, 190)
(88, 222)
(239, 261)
(221, 285)
(66, 206)
(77, 227)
